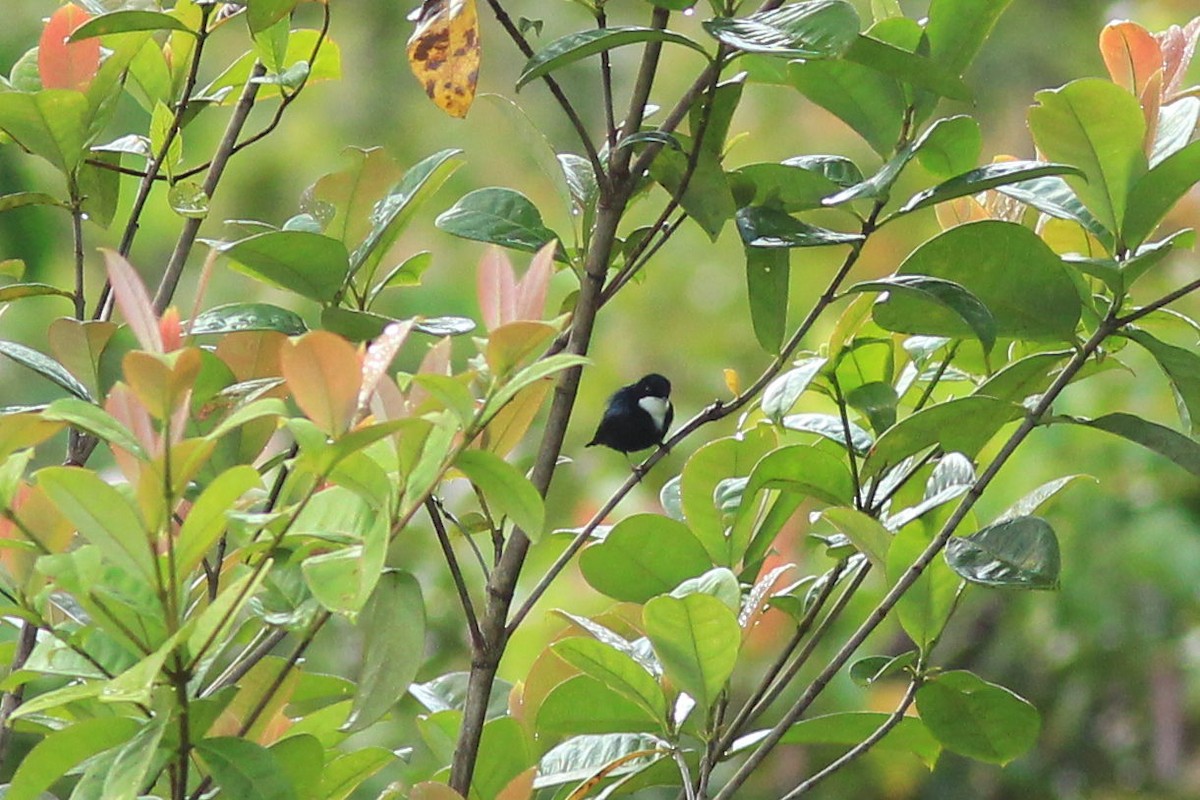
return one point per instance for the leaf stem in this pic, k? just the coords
(460, 584)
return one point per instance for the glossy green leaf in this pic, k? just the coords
(128, 20)
(1024, 377)
(392, 652)
(19, 291)
(763, 226)
(395, 210)
(1182, 367)
(718, 582)
(952, 147)
(1020, 552)
(584, 705)
(913, 69)
(707, 198)
(309, 264)
(783, 392)
(1020, 280)
(940, 308)
(1099, 127)
(978, 719)
(208, 519)
(830, 426)
(347, 772)
(697, 639)
(958, 28)
(1176, 122)
(963, 425)
(871, 103)
(52, 123)
(505, 752)
(982, 179)
(581, 757)
(22, 199)
(102, 515)
(127, 775)
(643, 555)
(448, 693)
(96, 421)
(244, 769)
(301, 760)
(45, 366)
(812, 30)
(1051, 195)
(62, 750)
(1166, 442)
(509, 493)
(1038, 498)
(233, 317)
(851, 728)
(767, 271)
(871, 669)
(576, 46)
(926, 607)
(1156, 193)
(785, 186)
(262, 14)
(498, 216)
(616, 670)
(864, 532)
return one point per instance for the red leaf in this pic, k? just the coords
(133, 301)
(1131, 54)
(496, 285)
(531, 291)
(63, 64)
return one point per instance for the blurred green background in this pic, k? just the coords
(1112, 660)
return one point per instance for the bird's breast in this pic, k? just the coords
(656, 407)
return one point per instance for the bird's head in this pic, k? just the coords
(653, 385)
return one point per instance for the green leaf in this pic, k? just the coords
(926, 607)
(785, 186)
(52, 123)
(864, 532)
(941, 308)
(982, 179)
(308, 264)
(978, 719)
(1166, 442)
(244, 769)
(958, 28)
(18, 291)
(1020, 280)
(508, 491)
(767, 271)
(616, 670)
(393, 213)
(963, 425)
(643, 555)
(392, 653)
(96, 421)
(1099, 127)
(498, 216)
(697, 639)
(1182, 367)
(207, 519)
(783, 392)
(576, 46)
(707, 199)
(719, 582)
(61, 751)
(536, 371)
(301, 760)
(581, 757)
(1020, 552)
(763, 226)
(814, 29)
(102, 515)
(1024, 377)
(915, 70)
(233, 317)
(584, 705)
(127, 775)
(1157, 192)
(851, 728)
(505, 751)
(45, 366)
(262, 14)
(347, 772)
(126, 21)
(871, 103)
(1039, 497)
(1051, 195)
(830, 426)
(22, 199)
(952, 147)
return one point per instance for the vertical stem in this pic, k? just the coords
(26, 639)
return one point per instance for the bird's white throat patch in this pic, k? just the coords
(656, 407)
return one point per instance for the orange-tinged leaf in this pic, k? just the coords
(496, 285)
(958, 211)
(163, 383)
(170, 329)
(251, 355)
(428, 790)
(129, 411)
(1130, 53)
(443, 53)
(134, 302)
(511, 344)
(324, 372)
(379, 357)
(531, 291)
(1151, 100)
(77, 345)
(254, 687)
(63, 64)
(520, 787)
(435, 362)
(41, 520)
(509, 425)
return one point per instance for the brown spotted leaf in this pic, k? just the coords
(443, 53)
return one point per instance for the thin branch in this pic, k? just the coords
(840, 399)
(606, 85)
(937, 376)
(894, 719)
(460, 584)
(1165, 300)
(526, 49)
(26, 640)
(914, 571)
(246, 661)
(638, 98)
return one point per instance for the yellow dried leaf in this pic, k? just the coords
(443, 53)
(732, 382)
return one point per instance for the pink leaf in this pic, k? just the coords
(531, 291)
(133, 301)
(436, 362)
(1178, 46)
(497, 288)
(379, 357)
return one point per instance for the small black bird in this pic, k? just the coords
(637, 416)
